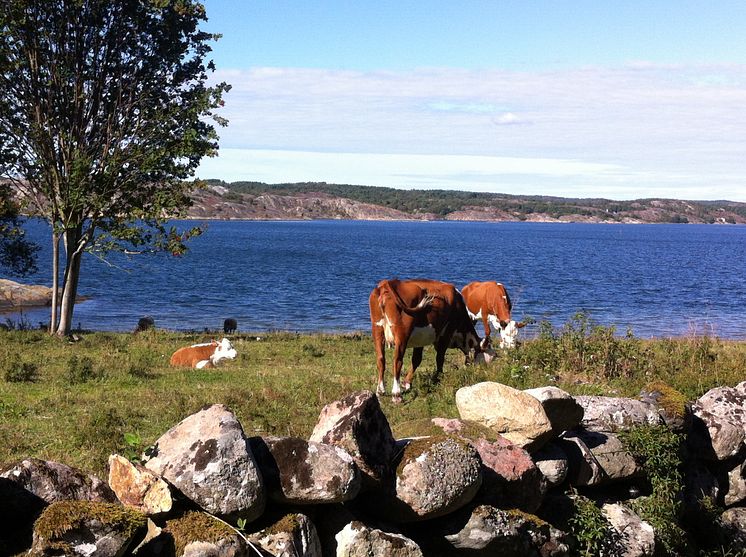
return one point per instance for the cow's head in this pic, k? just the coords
(223, 351)
(509, 333)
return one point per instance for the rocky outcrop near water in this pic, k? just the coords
(441, 486)
(14, 295)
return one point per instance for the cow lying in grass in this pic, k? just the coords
(204, 355)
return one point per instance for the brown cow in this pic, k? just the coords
(417, 313)
(205, 355)
(490, 302)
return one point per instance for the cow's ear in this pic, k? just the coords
(521, 324)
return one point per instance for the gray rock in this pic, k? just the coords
(207, 458)
(305, 472)
(583, 468)
(603, 413)
(609, 452)
(86, 528)
(436, 476)
(358, 540)
(510, 479)
(637, 537)
(515, 414)
(53, 481)
(358, 425)
(563, 410)
(718, 429)
(490, 531)
(734, 523)
(736, 486)
(292, 536)
(551, 460)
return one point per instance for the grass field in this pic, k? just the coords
(78, 403)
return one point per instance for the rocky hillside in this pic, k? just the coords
(307, 201)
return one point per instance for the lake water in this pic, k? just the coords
(658, 280)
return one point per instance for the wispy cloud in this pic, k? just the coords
(632, 131)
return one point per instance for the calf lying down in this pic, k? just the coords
(205, 355)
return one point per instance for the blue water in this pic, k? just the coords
(658, 280)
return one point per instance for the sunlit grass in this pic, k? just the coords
(278, 385)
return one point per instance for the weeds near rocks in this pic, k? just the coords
(596, 537)
(659, 452)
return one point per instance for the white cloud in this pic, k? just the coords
(633, 130)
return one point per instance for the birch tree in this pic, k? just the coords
(105, 113)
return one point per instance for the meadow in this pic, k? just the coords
(114, 392)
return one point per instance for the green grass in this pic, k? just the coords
(111, 391)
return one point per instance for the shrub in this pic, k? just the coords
(80, 370)
(17, 371)
(596, 537)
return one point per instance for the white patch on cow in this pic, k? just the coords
(395, 389)
(381, 390)
(202, 363)
(223, 351)
(508, 335)
(494, 321)
(388, 332)
(474, 316)
(421, 336)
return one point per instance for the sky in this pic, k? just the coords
(582, 98)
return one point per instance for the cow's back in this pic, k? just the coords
(189, 356)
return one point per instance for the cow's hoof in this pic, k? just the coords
(406, 386)
(396, 399)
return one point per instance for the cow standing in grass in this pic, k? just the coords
(489, 301)
(414, 314)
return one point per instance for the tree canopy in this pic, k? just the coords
(105, 112)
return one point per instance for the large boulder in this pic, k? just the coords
(718, 429)
(563, 410)
(54, 481)
(636, 536)
(358, 425)
(14, 295)
(292, 536)
(138, 487)
(603, 413)
(207, 458)
(359, 540)
(436, 476)
(486, 531)
(515, 414)
(510, 479)
(305, 472)
(672, 405)
(86, 528)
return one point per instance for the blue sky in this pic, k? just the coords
(573, 98)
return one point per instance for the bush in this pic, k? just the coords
(80, 370)
(18, 371)
(596, 537)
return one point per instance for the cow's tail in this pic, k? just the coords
(422, 306)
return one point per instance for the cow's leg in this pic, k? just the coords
(440, 358)
(379, 344)
(487, 330)
(399, 349)
(416, 361)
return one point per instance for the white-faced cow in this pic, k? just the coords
(204, 355)
(490, 302)
(414, 314)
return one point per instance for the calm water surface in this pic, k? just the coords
(658, 280)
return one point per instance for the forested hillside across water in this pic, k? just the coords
(319, 200)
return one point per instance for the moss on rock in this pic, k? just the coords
(196, 526)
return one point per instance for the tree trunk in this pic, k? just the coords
(55, 280)
(70, 281)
